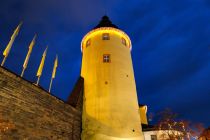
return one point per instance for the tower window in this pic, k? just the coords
(88, 43)
(106, 58)
(124, 41)
(105, 36)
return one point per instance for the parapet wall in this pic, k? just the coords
(31, 113)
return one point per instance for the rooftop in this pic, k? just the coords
(105, 22)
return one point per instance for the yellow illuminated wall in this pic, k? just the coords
(110, 108)
(143, 114)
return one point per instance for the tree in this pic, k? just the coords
(173, 129)
(205, 135)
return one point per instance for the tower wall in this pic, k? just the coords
(110, 106)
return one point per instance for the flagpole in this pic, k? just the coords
(2, 63)
(50, 84)
(9, 45)
(39, 72)
(22, 72)
(53, 72)
(37, 83)
(25, 64)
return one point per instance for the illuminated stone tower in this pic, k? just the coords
(110, 107)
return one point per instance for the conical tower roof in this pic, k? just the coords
(105, 22)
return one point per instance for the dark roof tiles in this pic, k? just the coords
(105, 22)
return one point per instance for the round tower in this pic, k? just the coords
(110, 107)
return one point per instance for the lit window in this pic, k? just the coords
(88, 43)
(105, 36)
(124, 41)
(106, 58)
(153, 137)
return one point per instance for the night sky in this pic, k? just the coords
(170, 38)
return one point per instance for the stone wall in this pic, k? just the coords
(28, 112)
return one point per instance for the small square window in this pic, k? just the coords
(106, 58)
(105, 36)
(124, 41)
(153, 137)
(88, 43)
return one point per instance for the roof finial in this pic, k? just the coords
(105, 22)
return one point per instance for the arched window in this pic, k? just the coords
(124, 41)
(88, 42)
(105, 36)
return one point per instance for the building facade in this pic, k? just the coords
(110, 104)
(104, 100)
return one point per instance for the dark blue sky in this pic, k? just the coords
(171, 46)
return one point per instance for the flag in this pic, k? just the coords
(55, 67)
(12, 39)
(39, 72)
(29, 52)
